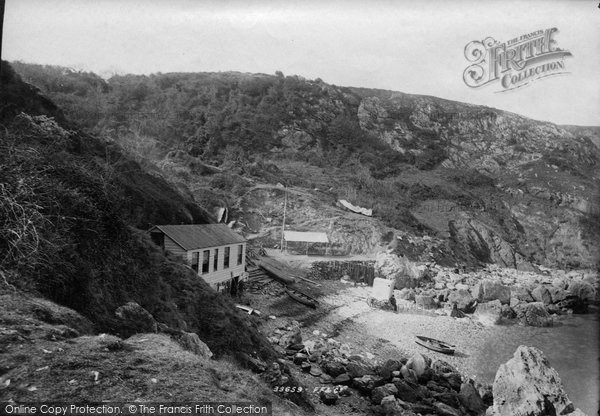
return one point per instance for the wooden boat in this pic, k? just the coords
(301, 297)
(436, 345)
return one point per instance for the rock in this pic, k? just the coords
(299, 358)
(366, 383)
(541, 294)
(527, 385)
(408, 374)
(379, 393)
(315, 371)
(489, 290)
(462, 298)
(389, 406)
(558, 294)
(356, 369)
(574, 303)
(489, 313)
(535, 314)
(449, 397)
(521, 293)
(442, 367)
(333, 368)
(388, 367)
(325, 379)
(417, 363)
(583, 290)
(560, 282)
(406, 391)
(454, 380)
(295, 347)
(191, 342)
(470, 399)
(135, 319)
(329, 398)
(306, 367)
(443, 409)
(507, 313)
(343, 379)
(485, 392)
(456, 313)
(403, 271)
(425, 301)
(292, 337)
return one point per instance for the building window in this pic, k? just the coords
(195, 260)
(240, 254)
(226, 259)
(205, 261)
(216, 262)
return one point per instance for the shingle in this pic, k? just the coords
(196, 236)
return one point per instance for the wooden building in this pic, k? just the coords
(213, 251)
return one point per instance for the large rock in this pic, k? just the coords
(389, 367)
(333, 368)
(191, 342)
(135, 319)
(542, 294)
(406, 391)
(462, 298)
(470, 399)
(583, 290)
(404, 272)
(489, 290)
(379, 393)
(534, 314)
(425, 301)
(489, 313)
(417, 363)
(527, 386)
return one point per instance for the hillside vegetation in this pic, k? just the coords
(71, 205)
(458, 183)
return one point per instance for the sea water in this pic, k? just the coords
(571, 346)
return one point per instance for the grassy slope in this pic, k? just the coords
(66, 212)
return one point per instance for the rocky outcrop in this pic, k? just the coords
(135, 319)
(527, 386)
(405, 273)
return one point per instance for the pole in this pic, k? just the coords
(284, 210)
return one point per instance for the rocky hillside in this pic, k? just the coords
(457, 183)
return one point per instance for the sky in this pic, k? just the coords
(409, 46)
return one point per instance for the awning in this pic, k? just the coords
(305, 236)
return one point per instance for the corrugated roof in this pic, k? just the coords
(306, 236)
(195, 236)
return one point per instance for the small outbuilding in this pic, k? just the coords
(214, 251)
(307, 241)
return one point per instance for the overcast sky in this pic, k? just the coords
(409, 46)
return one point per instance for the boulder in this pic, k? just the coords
(329, 398)
(489, 313)
(425, 301)
(379, 393)
(343, 379)
(406, 391)
(469, 397)
(557, 293)
(535, 314)
(574, 303)
(291, 337)
(389, 407)
(315, 371)
(542, 294)
(560, 282)
(191, 342)
(462, 298)
(527, 386)
(442, 367)
(443, 409)
(333, 368)
(364, 384)
(405, 294)
(404, 272)
(583, 290)
(388, 367)
(417, 363)
(489, 290)
(358, 369)
(300, 358)
(521, 293)
(135, 319)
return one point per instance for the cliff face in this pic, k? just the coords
(482, 185)
(546, 176)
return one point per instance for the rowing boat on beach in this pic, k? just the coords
(436, 345)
